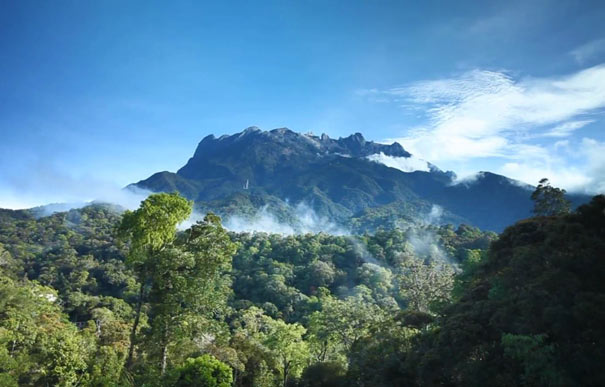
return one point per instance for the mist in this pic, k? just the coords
(56, 191)
(362, 252)
(305, 220)
(425, 241)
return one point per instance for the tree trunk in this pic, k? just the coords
(15, 340)
(135, 325)
(286, 372)
(324, 351)
(164, 358)
(165, 342)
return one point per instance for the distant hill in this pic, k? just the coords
(359, 184)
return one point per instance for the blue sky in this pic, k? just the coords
(95, 95)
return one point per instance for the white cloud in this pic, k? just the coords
(405, 164)
(586, 175)
(486, 113)
(571, 178)
(567, 128)
(588, 50)
(491, 115)
(594, 152)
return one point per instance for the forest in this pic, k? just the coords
(98, 296)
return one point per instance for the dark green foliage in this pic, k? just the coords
(531, 313)
(549, 200)
(327, 374)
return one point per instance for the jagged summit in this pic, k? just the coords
(291, 142)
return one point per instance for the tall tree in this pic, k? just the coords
(549, 200)
(189, 285)
(149, 230)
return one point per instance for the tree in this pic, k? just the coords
(379, 280)
(203, 371)
(8, 265)
(424, 286)
(536, 357)
(375, 359)
(285, 342)
(282, 342)
(549, 200)
(149, 230)
(112, 336)
(327, 374)
(189, 287)
(337, 327)
(38, 345)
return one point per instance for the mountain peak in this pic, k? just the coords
(251, 129)
(281, 131)
(358, 137)
(354, 138)
(338, 178)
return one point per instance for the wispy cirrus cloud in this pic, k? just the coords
(588, 50)
(488, 113)
(567, 128)
(492, 114)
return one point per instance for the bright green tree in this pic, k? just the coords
(203, 371)
(149, 230)
(189, 286)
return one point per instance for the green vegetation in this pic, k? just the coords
(203, 371)
(532, 312)
(94, 297)
(549, 200)
(150, 230)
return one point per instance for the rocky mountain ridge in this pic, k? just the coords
(347, 181)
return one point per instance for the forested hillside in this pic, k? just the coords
(97, 297)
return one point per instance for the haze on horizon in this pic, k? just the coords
(97, 95)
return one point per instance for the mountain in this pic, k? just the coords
(349, 181)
